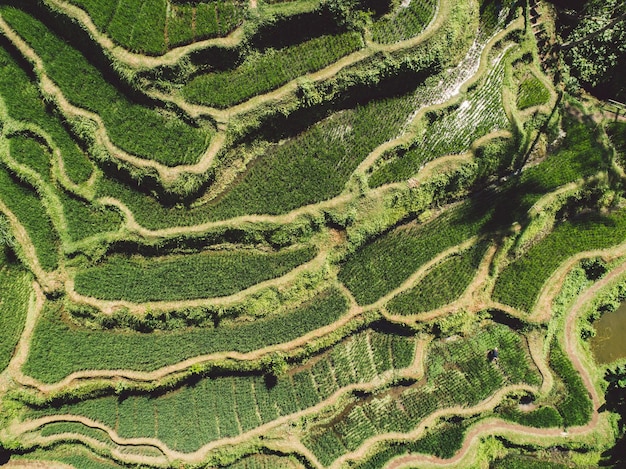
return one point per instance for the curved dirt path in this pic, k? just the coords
(414, 371)
(132, 59)
(50, 281)
(488, 404)
(168, 174)
(500, 427)
(471, 300)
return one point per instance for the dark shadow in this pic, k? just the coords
(270, 380)
(387, 327)
(294, 29)
(360, 91)
(377, 7)
(502, 317)
(5, 455)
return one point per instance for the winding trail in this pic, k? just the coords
(414, 371)
(495, 426)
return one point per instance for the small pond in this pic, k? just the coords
(609, 344)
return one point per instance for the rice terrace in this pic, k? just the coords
(311, 233)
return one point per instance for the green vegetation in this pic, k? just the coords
(575, 407)
(443, 441)
(442, 285)
(254, 276)
(520, 283)
(221, 407)
(30, 153)
(84, 219)
(404, 22)
(203, 275)
(153, 26)
(24, 103)
(516, 461)
(59, 348)
(382, 265)
(459, 372)
(482, 108)
(263, 71)
(26, 206)
(143, 131)
(532, 92)
(14, 297)
(617, 133)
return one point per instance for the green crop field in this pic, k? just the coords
(309, 233)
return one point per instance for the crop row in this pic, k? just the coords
(575, 407)
(308, 168)
(442, 285)
(383, 264)
(223, 407)
(532, 92)
(59, 348)
(152, 26)
(263, 71)
(452, 132)
(140, 130)
(442, 441)
(24, 103)
(185, 277)
(520, 282)
(407, 20)
(13, 304)
(459, 372)
(194, 22)
(26, 206)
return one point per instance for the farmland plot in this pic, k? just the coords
(229, 237)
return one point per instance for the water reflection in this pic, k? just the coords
(609, 344)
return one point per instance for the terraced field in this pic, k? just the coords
(293, 233)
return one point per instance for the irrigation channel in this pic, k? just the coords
(608, 344)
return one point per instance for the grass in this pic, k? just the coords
(542, 417)
(191, 276)
(518, 461)
(74, 427)
(442, 285)
(216, 407)
(458, 373)
(311, 167)
(575, 406)
(443, 441)
(29, 152)
(26, 206)
(139, 25)
(383, 264)
(404, 22)
(24, 103)
(532, 92)
(59, 348)
(264, 71)
(617, 133)
(520, 282)
(143, 131)
(450, 131)
(14, 296)
(84, 219)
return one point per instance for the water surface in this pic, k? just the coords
(609, 344)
